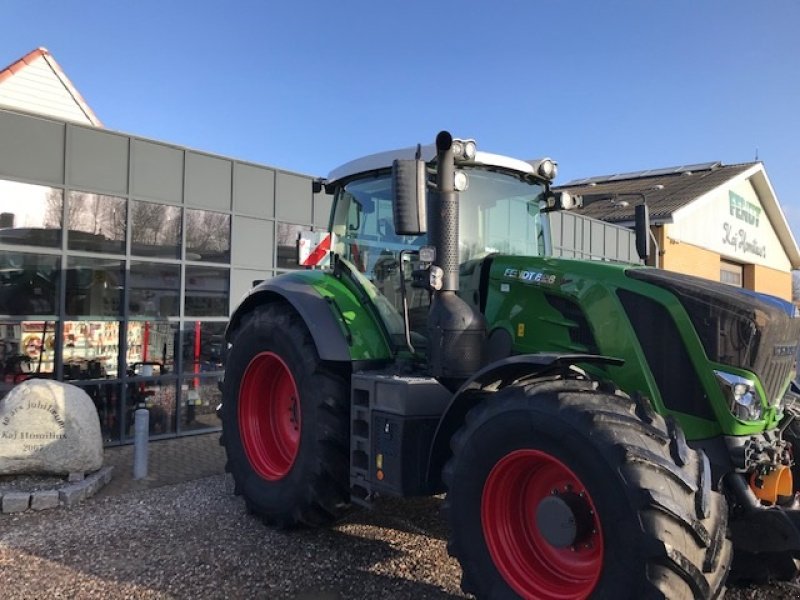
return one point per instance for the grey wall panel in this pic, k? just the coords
(208, 181)
(157, 171)
(31, 148)
(322, 209)
(293, 198)
(252, 243)
(241, 282)
(97, 160)
(253, 190)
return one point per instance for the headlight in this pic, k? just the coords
(743, 399)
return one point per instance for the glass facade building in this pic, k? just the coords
(121, 259)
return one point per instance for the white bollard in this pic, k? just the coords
(141, 423)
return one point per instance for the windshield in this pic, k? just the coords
(498, 212)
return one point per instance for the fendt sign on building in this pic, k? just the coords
(732, 222)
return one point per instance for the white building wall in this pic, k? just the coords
(732, 222)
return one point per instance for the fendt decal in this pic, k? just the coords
(530, 276)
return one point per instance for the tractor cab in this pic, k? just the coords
(501, 210)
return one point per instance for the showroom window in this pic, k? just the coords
(94, 287)
(207, 291)
(208, 236)
(30, 214)
(96, 223)
(29, 283)
(155, 230)
(154, 289)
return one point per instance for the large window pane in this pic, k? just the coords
(158, 397)
(30, 214)
(154, 289)
(94, 287)
(202, 347)
(151, 348)
(208, 236)
(91, 350)
(155, 230)
(26, 348)
(207, 291)
(95, 222)
(200, 397)
(106, 399)
(29, 283)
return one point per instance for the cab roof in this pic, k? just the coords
(383, 160)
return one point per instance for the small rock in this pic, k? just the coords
(75, 477)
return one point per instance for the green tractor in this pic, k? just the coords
(600, 429)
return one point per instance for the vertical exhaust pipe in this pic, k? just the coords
(456, 330)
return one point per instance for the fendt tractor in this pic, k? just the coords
(600, 429)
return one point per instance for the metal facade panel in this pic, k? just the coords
(322, 209)
(37, 151)
(156, 171)
(242, 282)
(252, 243)
(97, 161)
(293, 198)
(253, 190)
(208, 181)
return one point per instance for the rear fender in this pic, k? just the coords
(494, 377)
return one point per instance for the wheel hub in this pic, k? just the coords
(564, 520)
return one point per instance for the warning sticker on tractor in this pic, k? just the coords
(314, 248)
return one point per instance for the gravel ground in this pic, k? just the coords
(195, 540)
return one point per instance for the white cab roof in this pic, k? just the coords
(383, 160)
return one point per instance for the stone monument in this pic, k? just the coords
(49, 428)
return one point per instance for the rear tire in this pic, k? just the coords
(285, 421)
(558, 490)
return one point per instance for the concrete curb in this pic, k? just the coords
(63, 495)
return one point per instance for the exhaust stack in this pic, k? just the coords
(456, 330)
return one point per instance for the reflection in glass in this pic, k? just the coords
(200, 397)
(94, 287)
(156, 396)
(155, 230)
(90, 349)
(95, 222)
(27, 348)
(202, 347)
(208, 236)
(287, 245)
(154, 289)
(207, 291)
(151, 348)
(30, 214)
(28, 283)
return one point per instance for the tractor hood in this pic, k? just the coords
(740, 329)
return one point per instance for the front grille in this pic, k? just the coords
(736, 328)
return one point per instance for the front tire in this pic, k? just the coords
(285, 421)
(560, 491)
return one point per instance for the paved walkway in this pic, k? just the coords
(169, 462)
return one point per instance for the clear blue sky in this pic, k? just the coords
(602, 87)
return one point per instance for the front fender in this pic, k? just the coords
(492, 378)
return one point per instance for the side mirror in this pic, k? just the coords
(408, 191)
(642, 229)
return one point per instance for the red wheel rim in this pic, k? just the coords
(269, 416)
(530, 564)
